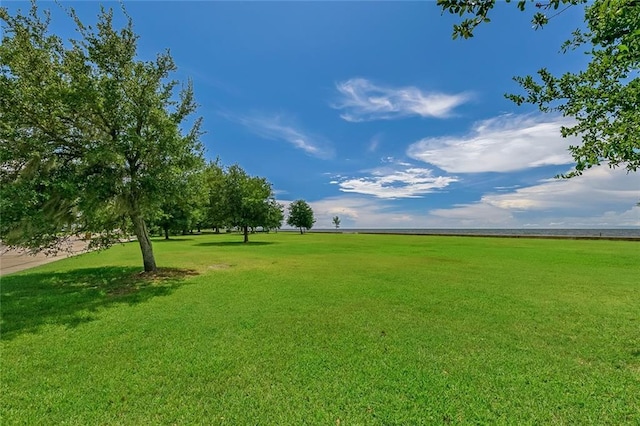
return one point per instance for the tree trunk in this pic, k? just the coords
(166, 232)
(301, 231)
(246, 234)
(142, 233)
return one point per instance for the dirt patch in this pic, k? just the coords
(163, 277)
(219, 266)
(167, 273)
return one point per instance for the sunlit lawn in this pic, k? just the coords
(327, 329)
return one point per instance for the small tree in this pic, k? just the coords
(300, 215)
(336, 222)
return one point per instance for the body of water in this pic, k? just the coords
(623, 233)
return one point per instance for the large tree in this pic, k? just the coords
(603, 99)
(300, 215)
(90, 135)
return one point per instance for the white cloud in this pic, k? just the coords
(400, 180)
(602, 197)
(364, 101)
(502, 144)
(472, 216)
(277, 127)
(597, 188)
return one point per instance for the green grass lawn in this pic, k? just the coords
(327, 329)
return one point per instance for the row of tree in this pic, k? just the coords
(221, 197)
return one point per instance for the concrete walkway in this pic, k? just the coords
(18, 260)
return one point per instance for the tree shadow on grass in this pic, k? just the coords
(30, 301)
(235, 244)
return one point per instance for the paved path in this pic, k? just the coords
(17, 260)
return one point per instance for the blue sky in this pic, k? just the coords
(370, 111)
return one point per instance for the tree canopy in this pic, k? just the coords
(215, 207)
(275, 215)
(183, 207)
(90, 135)
(300, 215)
(237, 199)
(603, 99)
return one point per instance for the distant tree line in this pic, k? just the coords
(228, 198)
(220, 197)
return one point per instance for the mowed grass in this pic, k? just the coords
(327, 329)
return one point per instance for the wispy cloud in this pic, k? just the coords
(399, 180)
(502, 144)
(280, 128)
(364, 101)
(374, 143)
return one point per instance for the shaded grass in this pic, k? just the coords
(70, 298)
(364, 329)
